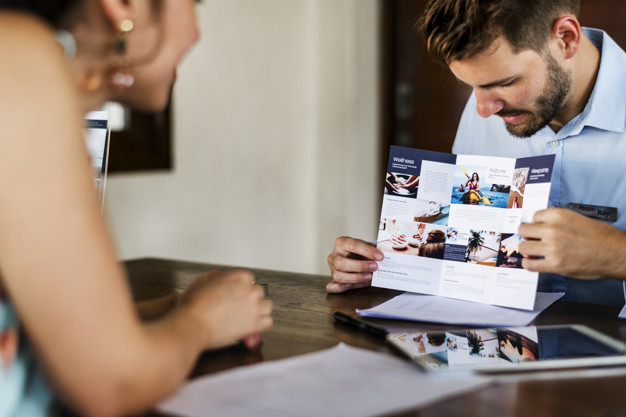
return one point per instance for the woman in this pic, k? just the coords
(472, 183)
(63, 294)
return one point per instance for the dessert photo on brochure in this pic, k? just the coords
(448, 224)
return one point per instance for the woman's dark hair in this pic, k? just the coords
(436, 236)
(55, 12)
(434, 246)
(436, 338)
(52, 11)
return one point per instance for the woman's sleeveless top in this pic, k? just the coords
(23, 392)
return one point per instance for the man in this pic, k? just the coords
(541, 85)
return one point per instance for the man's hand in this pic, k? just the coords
(352, 262)
(567, 243)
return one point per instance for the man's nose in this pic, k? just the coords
(487, 103)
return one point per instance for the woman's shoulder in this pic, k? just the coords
(24, 28)
(34, 73)
(33, 46)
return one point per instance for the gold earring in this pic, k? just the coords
(91, 81)
(122, 77)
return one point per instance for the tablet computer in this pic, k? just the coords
(507, 349)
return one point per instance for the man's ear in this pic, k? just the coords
(118, 10)
(566, 35)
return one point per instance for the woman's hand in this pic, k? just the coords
(352, 262)
(229, 307)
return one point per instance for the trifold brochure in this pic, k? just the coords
(448, 225)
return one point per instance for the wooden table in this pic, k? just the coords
(303, 324)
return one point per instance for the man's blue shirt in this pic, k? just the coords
(590, 153)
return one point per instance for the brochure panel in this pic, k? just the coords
(464, 216)
(467, 282)
(436, 180)
(514, 288)
(536, 198)
(530, 188)
(409, 273)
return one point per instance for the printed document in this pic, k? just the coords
(340, 381)
(435, 309)
(449, 223)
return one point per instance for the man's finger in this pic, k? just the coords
(352, 265)
(351, 277)
(346, 246)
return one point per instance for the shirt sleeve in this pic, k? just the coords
(462, 141)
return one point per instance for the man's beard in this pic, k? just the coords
(548, 105)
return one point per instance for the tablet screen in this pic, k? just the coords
(97, 134)
(497, 349)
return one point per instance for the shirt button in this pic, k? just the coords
(554, 143)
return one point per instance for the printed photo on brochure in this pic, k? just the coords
(449, 223)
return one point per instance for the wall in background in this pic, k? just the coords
(276, 145)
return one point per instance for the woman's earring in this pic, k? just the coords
(122, 77)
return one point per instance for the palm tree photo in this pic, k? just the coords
(474, 243)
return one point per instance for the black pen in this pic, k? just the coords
(351, 321)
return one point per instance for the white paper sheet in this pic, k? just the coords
(436, 309)
(340, 381)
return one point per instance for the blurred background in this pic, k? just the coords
(278, 132)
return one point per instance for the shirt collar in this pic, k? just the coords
(606, 108)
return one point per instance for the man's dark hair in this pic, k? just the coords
(458, 29)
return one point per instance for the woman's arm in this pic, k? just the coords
(58, 262)
(413, 181)
(157, 307)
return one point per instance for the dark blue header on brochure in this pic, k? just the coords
(409, 160)
(539, 168)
